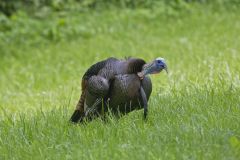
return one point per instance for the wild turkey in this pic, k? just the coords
(121, 85)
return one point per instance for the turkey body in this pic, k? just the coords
(112, 84)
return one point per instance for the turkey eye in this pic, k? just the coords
(158, 61)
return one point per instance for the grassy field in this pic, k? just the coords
(194, 111)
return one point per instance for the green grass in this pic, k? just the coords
(194, 112)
